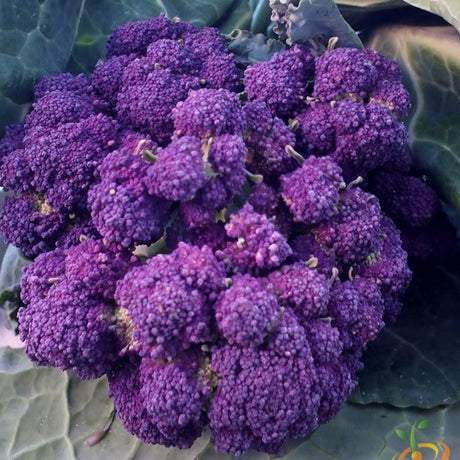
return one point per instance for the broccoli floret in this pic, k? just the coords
(179, 170)
(281, 82)
(38, 277)
(124, 389)
(209, 112)
(244, 415)
(301, 288)
(247, 311)
(387, 267)
(359, 137)
(312, 191)
(29, 223)
(206, 42)
(267, 138)
(259, 245)
(408, 200)
(166, 300)
(353, 233)
(343, 72)
(173, 56)
(147, 96)
(69, 323)
(324, 340)
(77, 84)
(122, 210)
(135, 36)
(173, 397)
(306, 249)
(220, 71)
(106, 78)
(58, 107)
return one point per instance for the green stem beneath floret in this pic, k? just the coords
(149, 156)
(293, 124)
(96, 437)
(256, 178)
(312, 262)
(296, 155)
(147, 251)
(331, 43)
(354, 183)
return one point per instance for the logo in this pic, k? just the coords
(436, 450)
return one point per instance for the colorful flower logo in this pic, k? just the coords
(416, 450)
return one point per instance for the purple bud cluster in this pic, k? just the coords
(219, 266)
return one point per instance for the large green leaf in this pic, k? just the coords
(447, 9)
(430, 60)
(304, 20)
(100, 17)
(33, 410)
(415, 361)
(369, 433)
(36, 38)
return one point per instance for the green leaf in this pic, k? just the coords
(413, 362)
(299, 22)
(402, 434)
(260, 19)
(430, 60)
(36, 38)
(423, 424)
(447, 9)
(33, 410)
(249, 49)
(13, 262)
(369, 432)
(100, 17)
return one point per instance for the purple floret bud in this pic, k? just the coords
(77, 84)
(135, 36)
(179, 170)
(282, 81)
(206, 42)
(247, 311)
(38, 277)
(96, 268)
(259, 244)
(312, 191)
(324, 340)
(227, 157)
(58, 107)
(408, 200)
(209, 112)
(148, 95)
(174, 56)
(173, 397)
(343, 72)
(121, 208)
(306, 249)
(301, 288)
(125, 391)
(69, 330)
(106, 78)
(220, 71)
(29, 223)
(353, 233)
(316, 133)
(387, 267)
(163, 300)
